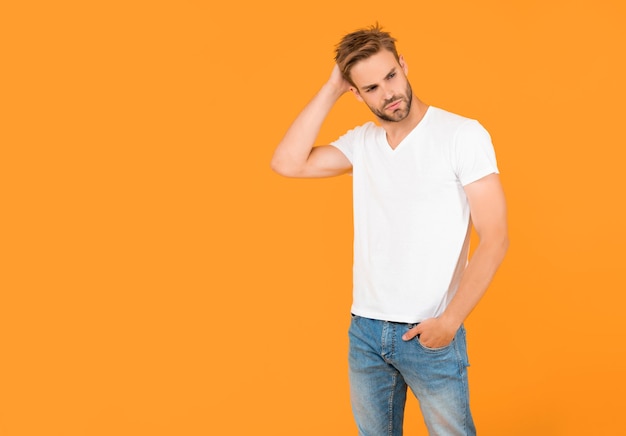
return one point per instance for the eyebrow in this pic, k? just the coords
(393, 70)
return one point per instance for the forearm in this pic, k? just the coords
(293, 151)
(475, 280)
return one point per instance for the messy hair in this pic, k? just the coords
(361, 44)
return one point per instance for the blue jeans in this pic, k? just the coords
(381, 367)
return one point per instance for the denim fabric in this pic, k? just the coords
(381, 367)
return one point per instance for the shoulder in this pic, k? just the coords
(462, 128)
(367, 129)
(449, 119)
(360, 134)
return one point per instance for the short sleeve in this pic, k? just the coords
(474, 156)
(347, 142)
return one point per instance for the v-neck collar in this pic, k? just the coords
(385, 142)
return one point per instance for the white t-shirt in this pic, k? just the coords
(411, 216)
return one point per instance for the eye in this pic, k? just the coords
(372, 88)
(391, 75)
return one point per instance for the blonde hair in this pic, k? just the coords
(361, 44)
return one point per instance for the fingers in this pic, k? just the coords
(411, 333)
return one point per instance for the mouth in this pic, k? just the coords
(393, 105)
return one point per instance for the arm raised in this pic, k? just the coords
(296, 155)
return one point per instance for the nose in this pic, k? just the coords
(387, 92)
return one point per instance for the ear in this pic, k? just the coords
(403, 64)
(356, 93)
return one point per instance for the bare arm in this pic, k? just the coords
(296, 155)
(488, 209)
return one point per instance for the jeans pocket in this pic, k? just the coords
(435, 350)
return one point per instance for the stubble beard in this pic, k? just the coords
(398, 114)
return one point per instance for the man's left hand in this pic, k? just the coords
(433, 333)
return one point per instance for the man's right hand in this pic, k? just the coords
(337, 81)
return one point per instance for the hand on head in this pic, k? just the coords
(337, 81)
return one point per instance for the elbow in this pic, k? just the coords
(281, 168)
(497, 244)
(275, 165)
(500, 238)
(504, 246)
(283, 171)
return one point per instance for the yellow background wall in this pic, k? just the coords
(158, 279)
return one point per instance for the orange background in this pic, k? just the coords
(158, 279)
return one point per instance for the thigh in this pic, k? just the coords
(377, 389)
(438, 378)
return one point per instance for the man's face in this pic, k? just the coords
(382, 85)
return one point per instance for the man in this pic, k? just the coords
(418, 177)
